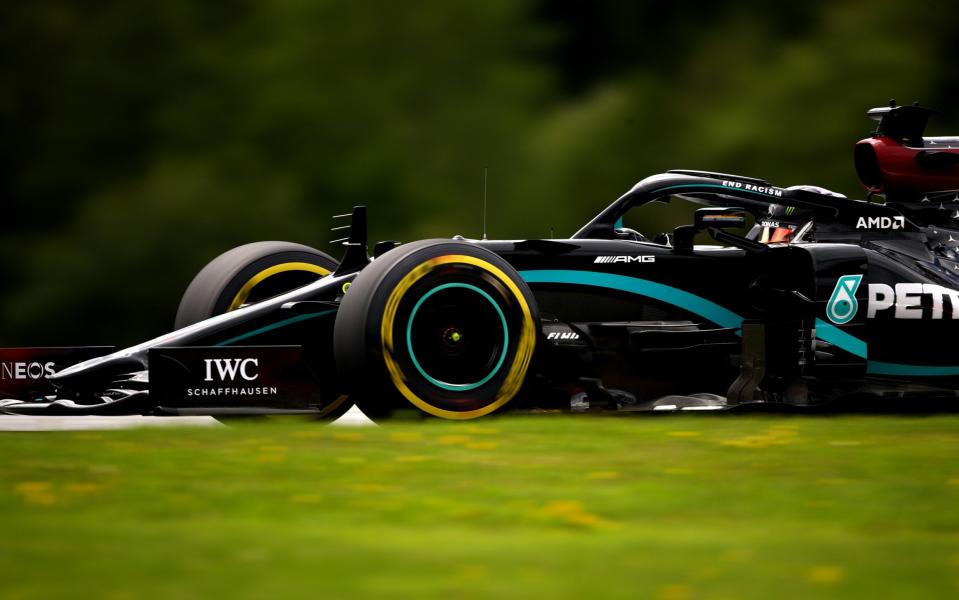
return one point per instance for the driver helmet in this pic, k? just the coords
(782, 224)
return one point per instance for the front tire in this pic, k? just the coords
(447, 327)
(248, 274)
(252, 273)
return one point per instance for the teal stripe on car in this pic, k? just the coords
(642, 287)
(277, 325)
(689, 302)
(876, 367)
(853, 345)
(837, 337)
(726, 318)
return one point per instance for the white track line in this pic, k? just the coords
(78, 423)
(352, 418)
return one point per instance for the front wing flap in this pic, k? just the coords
(192, 380)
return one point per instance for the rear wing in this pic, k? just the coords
(904, 124)
(897, 161)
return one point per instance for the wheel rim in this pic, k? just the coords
(457, 346)
(524, 340)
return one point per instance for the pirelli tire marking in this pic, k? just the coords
(244, 293)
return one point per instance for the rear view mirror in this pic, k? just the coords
(714, 220)
(721, 218)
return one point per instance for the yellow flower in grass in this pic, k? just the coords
(825, 574)
(32, 487)
(572, 512)
(270, 459)
(36, 492)
(774, 436)
(87, 487)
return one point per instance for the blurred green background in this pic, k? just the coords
(138, 140)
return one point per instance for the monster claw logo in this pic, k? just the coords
(842, 304)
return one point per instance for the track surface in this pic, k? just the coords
(24, 423)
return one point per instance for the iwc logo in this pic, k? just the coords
(842, 304)
(228, 370)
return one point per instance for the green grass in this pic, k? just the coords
(674, 507)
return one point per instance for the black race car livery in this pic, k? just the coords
(824, 299)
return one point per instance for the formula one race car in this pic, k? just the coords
(824, 299)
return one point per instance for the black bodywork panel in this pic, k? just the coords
(847, 310)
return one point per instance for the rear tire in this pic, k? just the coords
(446, 327)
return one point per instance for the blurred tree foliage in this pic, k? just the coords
(138, 140)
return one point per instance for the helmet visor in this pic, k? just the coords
(783, 234)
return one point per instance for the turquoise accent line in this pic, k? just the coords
(456, 387)
(838, 337)
(618, 224)
(883, 368)
(856, 346)
(276, 325)
(643, 287)
(720, 187)
(725, 318)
